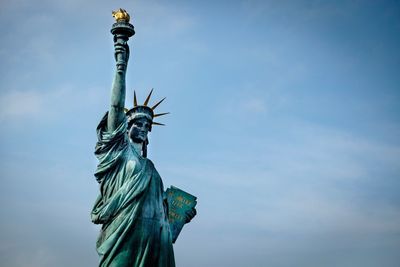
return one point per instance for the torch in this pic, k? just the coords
(121, 30)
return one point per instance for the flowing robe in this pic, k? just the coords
(131, 207)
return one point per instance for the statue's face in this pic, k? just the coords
(139, 130)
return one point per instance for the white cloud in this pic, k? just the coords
(19, 104)
(318, 183)
(254, 105)
(48, 104)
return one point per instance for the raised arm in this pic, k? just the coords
(116, 112)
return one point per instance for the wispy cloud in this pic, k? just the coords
(289, 144)
(302, 184)
(48, 104)
(254, 105)
(17, 104)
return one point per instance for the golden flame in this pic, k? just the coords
(121, 15)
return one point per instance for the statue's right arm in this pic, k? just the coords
(116, 112)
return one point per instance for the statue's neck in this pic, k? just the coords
(138, 147)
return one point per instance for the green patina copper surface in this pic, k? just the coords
(131, 206)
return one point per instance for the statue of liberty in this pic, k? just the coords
(132, 206)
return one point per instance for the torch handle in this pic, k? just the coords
(121, 51)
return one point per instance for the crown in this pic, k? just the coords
(121, 15)
(144, 111)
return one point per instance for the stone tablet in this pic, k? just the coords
(179, 202)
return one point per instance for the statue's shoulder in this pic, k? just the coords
(151, 165)
(149, 162)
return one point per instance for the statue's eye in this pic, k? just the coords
(139, 124)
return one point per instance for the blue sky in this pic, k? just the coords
(284, 123)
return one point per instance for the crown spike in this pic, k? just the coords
(156, 105)
(161, 114)
(148, 98)
(134, 99)
(157, 123)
